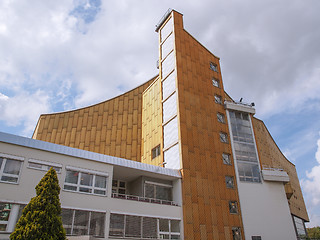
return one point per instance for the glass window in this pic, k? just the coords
(166, 29)
(167, 46)
(42, 165)
(156, 151)
(145, 227)
(168, 65)
(5, 209)
(133, 226)
(97, 223)
(169, 107)
(256, 237)
(169, 85)
(236, 233)
(221, 118)
(9, 170)
(116, 225)
(213, 67)
(226, 158)
(233, 208)
(229, 182)
(76, 222)
(158, 192)
(118, 187)
(223, 137)
(218, 99)
(215, 82)
(83, 182)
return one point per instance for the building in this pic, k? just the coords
(235, 182)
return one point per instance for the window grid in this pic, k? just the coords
(156, 151)
(89, 188)
(10, 170)
(119, 228)
(119, 186)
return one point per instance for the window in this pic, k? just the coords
(213, 67)
(217, 99)
(221, 118)
(44, 166)
(78, 222)
(155, 151)
(143, 227)
(5, 209)
(119, 187)
(256, 237)
(226, 158)
(215, 82)
(244, 146)
(223, 137)
(233, 208)
(300, 227)
(236, 233)
(158, 191)
(9, 170)
(229, 182)
(85, 182)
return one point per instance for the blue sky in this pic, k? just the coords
(64, 54)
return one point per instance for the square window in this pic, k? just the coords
(226, 158)
(229, 182)
(236, 233)
(221, 118)
(217, 99)
(223, 137)
(213, 67)
(9, 170)
(156, 151)
(233, 208)
(215, 82)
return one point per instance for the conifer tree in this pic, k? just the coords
(41, 217)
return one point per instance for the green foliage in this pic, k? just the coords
(41, 217)
(314, 232)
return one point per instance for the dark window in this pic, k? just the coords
(233, 208)
(221, 118)
(213, 67)
(229, 182)
(236, 233)
(155, 151)
(226, 158)
(256, 237)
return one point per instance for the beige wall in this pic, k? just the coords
(270, 155)
(112, 127)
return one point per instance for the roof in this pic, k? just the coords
(78, 153)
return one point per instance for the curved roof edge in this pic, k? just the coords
(77, 109)
(274, 140)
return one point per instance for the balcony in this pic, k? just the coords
(274, 174)
(143, 199)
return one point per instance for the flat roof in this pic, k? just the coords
(74, 152)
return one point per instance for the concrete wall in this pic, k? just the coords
(265, 211)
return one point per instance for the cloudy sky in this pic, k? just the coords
(64, 54)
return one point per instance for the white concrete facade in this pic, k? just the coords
(20, 193)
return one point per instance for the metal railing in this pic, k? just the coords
(143, 199)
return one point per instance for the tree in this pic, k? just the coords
(314, 233)
(41, 218)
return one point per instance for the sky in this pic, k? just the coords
(61, 55)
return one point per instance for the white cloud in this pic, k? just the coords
(311, 188)
(24, 109)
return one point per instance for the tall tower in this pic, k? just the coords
(195, 133)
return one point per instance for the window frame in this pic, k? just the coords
(213, 67)
(5, 158)
(45, 166)
(155, 152)
(215, 82)
(233, 207)
(221, 117)
(217, 99)
(228, 157)
(223, 137)
(229, 181)
(78, 185)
